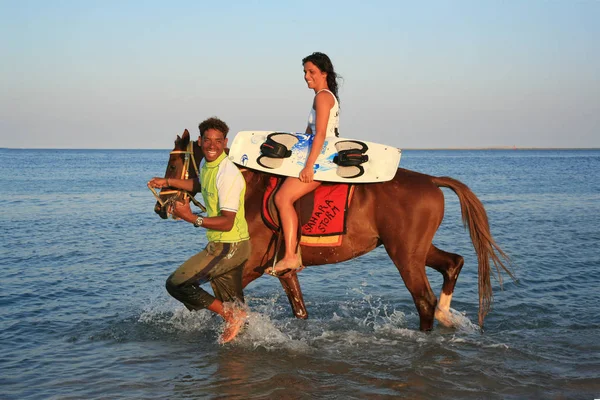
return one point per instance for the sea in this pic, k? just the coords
(84, 313)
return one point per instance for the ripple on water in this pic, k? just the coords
(82, 295)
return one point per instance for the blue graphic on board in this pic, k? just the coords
(302, 148)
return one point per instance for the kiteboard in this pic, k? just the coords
(341, 160)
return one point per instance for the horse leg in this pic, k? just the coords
(412, 269)
(291, 285)
(256, 265)
(449, 265)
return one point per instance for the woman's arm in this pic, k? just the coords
(323, 104)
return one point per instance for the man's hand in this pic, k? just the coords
(158, 183)
(182, 210)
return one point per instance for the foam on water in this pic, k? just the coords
(372, 323)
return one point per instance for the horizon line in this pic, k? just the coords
(402, 149)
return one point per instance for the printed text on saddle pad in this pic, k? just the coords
(322, 213)
(328, 217)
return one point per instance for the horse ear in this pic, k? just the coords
(183, 140)
(185, 137)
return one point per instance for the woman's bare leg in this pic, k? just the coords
(291, 190)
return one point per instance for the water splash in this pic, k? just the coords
(171, 317)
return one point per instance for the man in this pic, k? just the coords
(221, 262)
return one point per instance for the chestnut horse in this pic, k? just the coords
(402, 215)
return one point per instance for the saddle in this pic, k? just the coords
(321, 213)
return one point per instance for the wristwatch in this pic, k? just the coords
(198, 222)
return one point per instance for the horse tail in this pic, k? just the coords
(475, 219)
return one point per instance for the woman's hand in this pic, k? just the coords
(307, 174)
(158, 183)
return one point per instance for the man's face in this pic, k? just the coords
(213, 143)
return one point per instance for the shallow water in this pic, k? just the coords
(84, 313)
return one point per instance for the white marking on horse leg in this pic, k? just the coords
(444, 303)
(442, 311)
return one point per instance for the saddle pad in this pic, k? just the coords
(322, 213)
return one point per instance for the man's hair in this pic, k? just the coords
(213, 123)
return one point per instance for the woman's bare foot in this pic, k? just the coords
(285, 266)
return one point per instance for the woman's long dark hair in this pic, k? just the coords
(325, 65)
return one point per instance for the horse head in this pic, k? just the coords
(184, 160)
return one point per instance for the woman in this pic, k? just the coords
(323, 121)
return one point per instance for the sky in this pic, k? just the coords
(431, 74)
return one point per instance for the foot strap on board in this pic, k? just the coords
(351, 154)
(275, 149)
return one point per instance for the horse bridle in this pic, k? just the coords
(185, 173)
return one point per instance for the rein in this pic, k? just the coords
(185, 173)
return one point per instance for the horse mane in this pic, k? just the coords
(255, 178)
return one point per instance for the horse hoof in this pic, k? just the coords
(444, 318)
